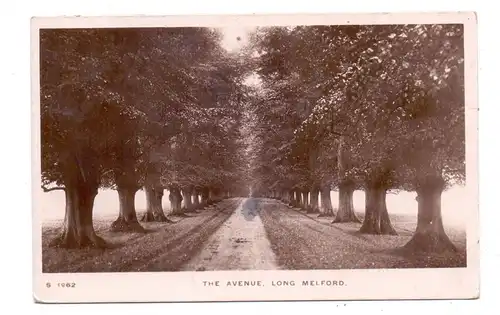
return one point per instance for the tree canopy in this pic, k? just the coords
(345, 107)
(127, 108)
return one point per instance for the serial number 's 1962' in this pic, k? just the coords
(66, 285)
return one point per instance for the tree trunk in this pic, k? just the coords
(291, 197)
(127, 218)
(78, 230)
(429, 235)
(305, 199)
(285, 196)
(196, 200)
(313, 206)
(373, 210)
(211, 197)
(298, 196)
(219, 194)
(345, 212)
(186, 195)
(205, 196)
(385, 221)
(326, 203)
(175, 198)
(346, 206)
(154, 207)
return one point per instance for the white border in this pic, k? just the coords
(361, 284)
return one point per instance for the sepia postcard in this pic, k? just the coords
(255, 157)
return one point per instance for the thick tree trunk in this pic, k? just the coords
(78, 230)
(186, 195)
(429, 235)
(385, 221)
(346, 206)
(175, 198)
(371, 223)
(314, 204)
(345, 212)
(326, 203)
(127, 218)
(154, 208)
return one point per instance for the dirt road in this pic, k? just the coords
(239, 244)
(166, 246)
(246, 234)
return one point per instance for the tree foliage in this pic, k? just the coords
(124, 108)
(394, 94)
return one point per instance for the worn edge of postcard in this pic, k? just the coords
(365, 284)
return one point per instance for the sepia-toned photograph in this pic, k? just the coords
(304, 148)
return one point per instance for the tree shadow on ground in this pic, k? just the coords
(150, 230)
(357, 234)
(172, 219)
(411, 259)
(182, 215)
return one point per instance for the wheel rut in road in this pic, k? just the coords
(241, 243)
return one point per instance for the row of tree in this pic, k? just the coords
(130, 109)
(372, 107)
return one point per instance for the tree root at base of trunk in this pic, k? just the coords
(326, 214)
(375, 230)
(72, 242)
(387, 229)
(312, 210)
(150, 217)
(120, 225)
(352, 218)
(370, 228)
(430, 243)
